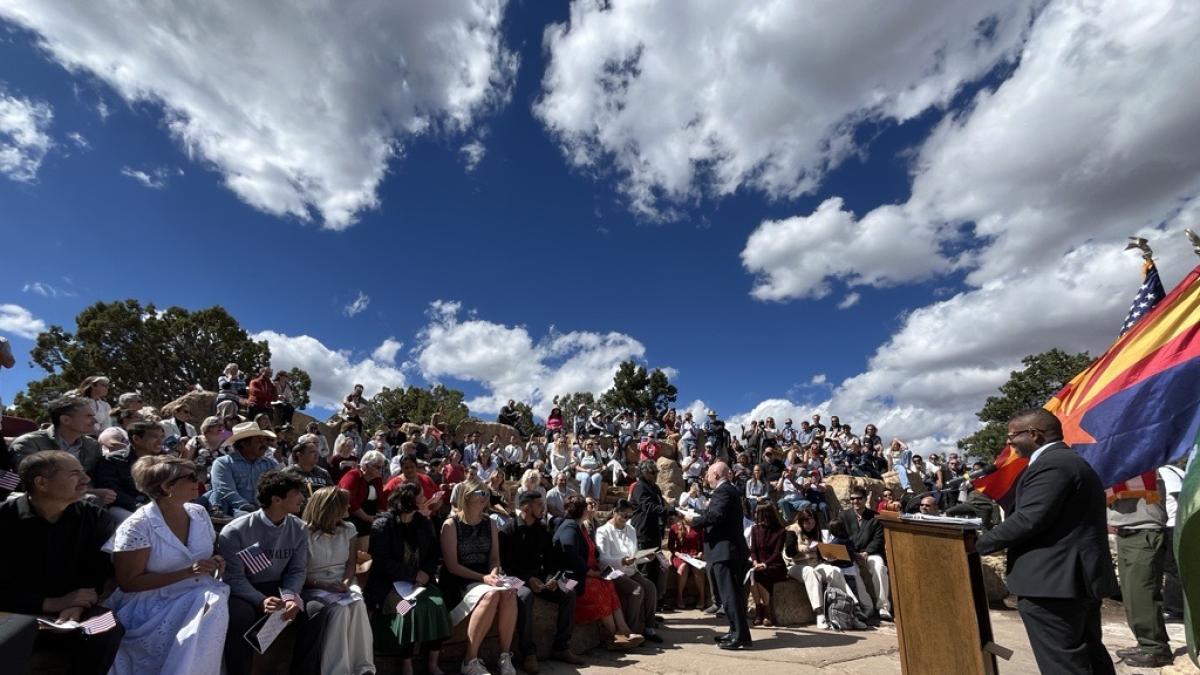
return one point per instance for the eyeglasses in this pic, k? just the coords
(1010, 437)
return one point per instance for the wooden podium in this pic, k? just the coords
(938, 599)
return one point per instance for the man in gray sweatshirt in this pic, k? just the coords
(274, 541)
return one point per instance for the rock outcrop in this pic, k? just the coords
(670, 478)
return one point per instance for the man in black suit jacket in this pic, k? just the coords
(1059, 565)
(726, 553)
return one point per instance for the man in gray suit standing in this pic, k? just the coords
(1057, 539)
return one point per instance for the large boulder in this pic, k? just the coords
(485, 430)
(842, 484)
(993, 577)
(670, 478)
(201, 404)
(891, 480)
(791, 604)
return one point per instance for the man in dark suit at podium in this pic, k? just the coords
(726, 553)
(1059, 565)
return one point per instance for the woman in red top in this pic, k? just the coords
(554, 422)
(767, 538)
(431, 495)
(365, 485)
(682, 538)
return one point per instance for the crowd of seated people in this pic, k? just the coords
(191, 535)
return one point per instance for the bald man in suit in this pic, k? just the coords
(726, 553)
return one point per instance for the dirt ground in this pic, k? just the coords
(688, 648)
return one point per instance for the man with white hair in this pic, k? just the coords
(727, 554)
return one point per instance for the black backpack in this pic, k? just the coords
(841, 612)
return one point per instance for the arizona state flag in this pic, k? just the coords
(1136, 407)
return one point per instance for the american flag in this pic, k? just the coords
(568, 584)
(99, 624)
(254, 559)
(9, 480)
(404, 606)
(1148, 295)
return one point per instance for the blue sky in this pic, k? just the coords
(580, 237)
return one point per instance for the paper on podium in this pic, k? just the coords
(969, 523)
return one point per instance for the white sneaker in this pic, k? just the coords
(476, 667)
(506, 666)
(822, 624)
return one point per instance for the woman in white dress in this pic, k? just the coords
(174, 610)
(332, 560)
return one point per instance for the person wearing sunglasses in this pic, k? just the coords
(175, 612)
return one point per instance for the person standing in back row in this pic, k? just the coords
(1058, 561)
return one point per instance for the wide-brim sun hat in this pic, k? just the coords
(246, 430)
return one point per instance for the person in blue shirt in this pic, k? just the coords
(235, 475)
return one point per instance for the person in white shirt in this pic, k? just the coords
(94, 389)
(616, 547)
(693, 499)
(687, 435)
(556, 498)
(1171, 477)
(178, 422)
(485, 466)
(514, 458)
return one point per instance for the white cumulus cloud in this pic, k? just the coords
(24, 136)
(710, 96)
(510, 364)
(386, 352)
(1031, 191)
(334, 372)
(300, 106)
(17, 320)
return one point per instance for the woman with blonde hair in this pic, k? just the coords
(531, 481)
(471, 579)
(174, 611)
(332, 560)
(94, 389)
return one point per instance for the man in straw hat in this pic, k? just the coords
(235, 475)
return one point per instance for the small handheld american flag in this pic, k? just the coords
(254, 559)
(99, 624)
(404, 606)
(9, 480)
(568, 584)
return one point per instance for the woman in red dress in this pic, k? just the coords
(597, 597)
(767, 538)
(682, 538)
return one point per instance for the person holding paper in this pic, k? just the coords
(527, 551)
(332, 561)
(405, 553)
(174, 611)
(805, 565)
(471, 578)
(726, 552)
(684, 539)
(273, 532)
(598, 599)
(617, 547)
(53, 564)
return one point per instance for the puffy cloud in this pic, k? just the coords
(17, 320)
(299, 105)
(1057, 155)
(386, 352)
(358, 305)
(334, 372)
(24, 137)
(155, 179)
(510, 364)
(818, 379)
(708, 97)
(1035, 186)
